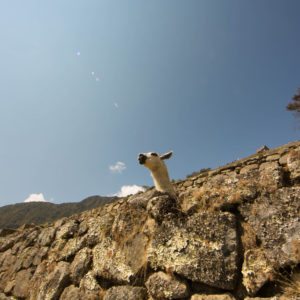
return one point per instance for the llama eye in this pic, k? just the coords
(154, 154)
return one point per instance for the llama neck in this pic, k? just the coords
(162, 181)
(160, 174)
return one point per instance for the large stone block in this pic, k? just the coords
(164, 286)
(120, 256)
(293, 164)
(271, 175)
(71, 293)
(120, 264)
(81, 264)
(46, 236)
(202, 248)
(126, 292)
(67, 230)
(22, 284)
(275, 220)
(54, 283)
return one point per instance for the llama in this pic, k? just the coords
(159, 172)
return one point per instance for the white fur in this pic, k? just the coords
(159, 172)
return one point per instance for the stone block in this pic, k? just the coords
(126, 292)
(164, 286)
(193, 250)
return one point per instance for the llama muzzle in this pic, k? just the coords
(142, 158)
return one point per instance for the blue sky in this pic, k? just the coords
(87, 84)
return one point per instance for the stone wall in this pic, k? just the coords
(233, 233)
(278, 155)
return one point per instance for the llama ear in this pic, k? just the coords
(166, 155)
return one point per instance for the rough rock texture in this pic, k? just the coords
(164, 286)
(126, 292)
(293, 163)
(81, 264)
(275, 220)
(273, 298)
(4, 297)
(233, 233)
(189, 247)
(71, 292)
(54, 283)
(22, 283)
(213, 297)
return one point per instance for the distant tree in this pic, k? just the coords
(294, 105)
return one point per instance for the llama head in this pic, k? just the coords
(159, 172)
(152, 160)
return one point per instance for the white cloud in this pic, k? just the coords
(116, 105)
(118, 167)
(36, 198)
(129, 190)
(93, 73)
(78, 53)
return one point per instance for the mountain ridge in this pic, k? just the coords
(14, 215)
